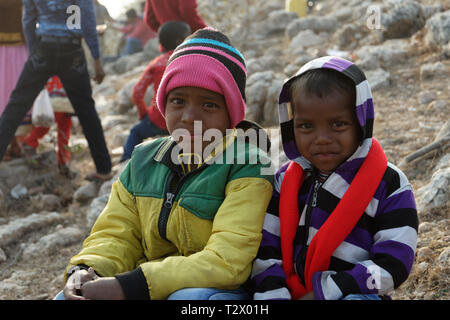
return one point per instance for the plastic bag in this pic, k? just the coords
(62, 104)
(43, 115)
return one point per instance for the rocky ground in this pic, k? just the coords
(406, 60)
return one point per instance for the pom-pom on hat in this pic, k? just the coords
(206, 59)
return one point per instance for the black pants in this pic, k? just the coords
(68, 62)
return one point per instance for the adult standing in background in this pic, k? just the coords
(102, 15)
(55, 49)
(157, 12)
(13, 54)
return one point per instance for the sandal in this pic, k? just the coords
(95, 176)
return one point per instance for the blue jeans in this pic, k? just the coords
(132, 45)
(209, 294)
(143, 130)
(59, 296)
(361, 297)
(197, 294)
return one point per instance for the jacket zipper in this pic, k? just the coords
(169, 196)
(166, 207)
(312, 203)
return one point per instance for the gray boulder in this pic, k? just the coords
(402, 19)
(438, 29)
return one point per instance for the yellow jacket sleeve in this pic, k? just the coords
(114, 244)
(225, 262)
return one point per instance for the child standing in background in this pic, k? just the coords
(152, 123)
(63, 124)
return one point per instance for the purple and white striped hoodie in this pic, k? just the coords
(377, 256)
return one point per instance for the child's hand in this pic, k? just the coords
(74, 283)
(107, 288)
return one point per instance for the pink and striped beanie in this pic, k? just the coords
(206, 59)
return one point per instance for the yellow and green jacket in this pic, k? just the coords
(165, 228)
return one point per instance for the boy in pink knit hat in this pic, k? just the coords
(173, 230)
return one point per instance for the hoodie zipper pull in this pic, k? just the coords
(317, 185)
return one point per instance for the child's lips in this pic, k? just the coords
(325, 155)
(192, 137)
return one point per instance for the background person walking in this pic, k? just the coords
(56, 50)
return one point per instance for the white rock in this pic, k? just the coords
(426, 226)
(389, 53)
(378, 78)
(424, 253)
(438, 105)
(431, 70)
(6, 287)
(438, 29)
(422, 267)
(435, 193)
(444, 257)
(86, 192)
(96, 207)
(111, 121)
(426, 97)
(19, 191)
(305, 39)
(278, 21)
(312, 23)
(3, 256)
(401, 19)
(16, 229)
(49, 243)
(46, 202)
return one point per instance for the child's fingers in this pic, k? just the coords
(92, 273)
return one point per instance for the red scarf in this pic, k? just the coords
(333, 231)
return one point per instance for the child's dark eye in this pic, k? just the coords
(304, 126)
(178, 101)
(210, 105)
(339, 124)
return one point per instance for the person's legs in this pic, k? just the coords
(34, 75)
(64, 125)
(209, 294)
(37, 133)
(75, 79)
(132, 45)
(143, 130)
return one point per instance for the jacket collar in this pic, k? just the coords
(180, 162)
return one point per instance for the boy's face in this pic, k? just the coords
(184, 105)
(326, 129)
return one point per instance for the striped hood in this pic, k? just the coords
(363, 108)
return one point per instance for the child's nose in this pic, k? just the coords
(190, 113)
(323, 136)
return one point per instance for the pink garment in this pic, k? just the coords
(12, 60)
(197, 70)
(141, 31)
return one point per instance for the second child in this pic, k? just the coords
(342, 223)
